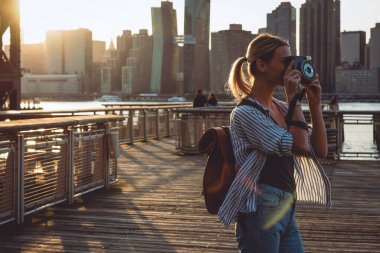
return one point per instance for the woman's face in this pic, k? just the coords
(276, 67)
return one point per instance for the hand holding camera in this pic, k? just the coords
(308, 77)
(291, 79)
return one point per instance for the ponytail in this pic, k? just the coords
(237, 82)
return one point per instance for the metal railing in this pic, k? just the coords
(53, 161)
(141, 122)
(350, 134)
(359, 135)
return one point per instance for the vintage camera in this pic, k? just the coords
(304, 65)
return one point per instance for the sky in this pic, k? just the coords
(107, 18)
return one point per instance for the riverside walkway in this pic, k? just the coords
(156, 206)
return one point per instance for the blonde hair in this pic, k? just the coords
(262, 47)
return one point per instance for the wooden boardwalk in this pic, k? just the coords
(157, 207)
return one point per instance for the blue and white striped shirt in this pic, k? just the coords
(254, 136)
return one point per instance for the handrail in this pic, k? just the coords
(192, 122)
(41, 113)
(52, 160)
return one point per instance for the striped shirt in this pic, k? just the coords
(254, 136)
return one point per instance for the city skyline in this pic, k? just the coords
(106, 22)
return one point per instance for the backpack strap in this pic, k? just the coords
(253, 104)
(225, 144)
(257, 106)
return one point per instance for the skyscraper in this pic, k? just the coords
(136, 75)
(123, 45)
(110, 73)
(282, 22)
(226, 46)
(353, 49)
(165, 59)
(320, 38)
(375, 47)
(70, 52)
(196, 53)
(98, 51)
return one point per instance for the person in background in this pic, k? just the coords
(199, 100)
(211, 100)
(275, 150)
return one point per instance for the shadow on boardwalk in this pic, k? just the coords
(157, 207)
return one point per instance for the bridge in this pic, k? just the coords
(10, 72)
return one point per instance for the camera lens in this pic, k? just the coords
(308, 70)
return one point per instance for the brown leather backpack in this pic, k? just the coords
(220, 169)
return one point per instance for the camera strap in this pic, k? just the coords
(292, 105)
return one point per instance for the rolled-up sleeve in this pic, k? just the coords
(261, 132)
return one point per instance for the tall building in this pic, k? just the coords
(123, 47)
(70, 52)
(165, 65)
(110, 71)
(226, 47)
(357, 81)
(375, 47)
(320, 38)
(98, 51)
(196, 53)
(136, 75)
(282, 22)
(353, 49)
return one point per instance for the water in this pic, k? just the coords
(55, 105)
(358, 106)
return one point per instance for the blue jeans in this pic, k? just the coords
(273, 227)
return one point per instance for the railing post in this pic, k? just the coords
(107, 148)
(70, 166)
(20, 179)
(145, 125)
(167, 122)
(130, 125)
(157, 123)
(340, 128)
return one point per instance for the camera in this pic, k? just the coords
(304, 65)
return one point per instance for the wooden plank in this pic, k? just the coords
(157, 206)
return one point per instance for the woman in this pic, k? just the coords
(211, 100)
(275, 158)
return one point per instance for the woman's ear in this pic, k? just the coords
(260, 66)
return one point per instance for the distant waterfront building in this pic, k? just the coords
(98, 51)
(353, 49)
(226, 47)
(375, 47)
(196, 53)
(367, 55)
(357, 82)
(320, 38)
(282, 22)
(70, 52)
(57, 85)
(106, 80)
(123, 47)
(262, 30)
(110, 71)
(165, 59)
(136, 75)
